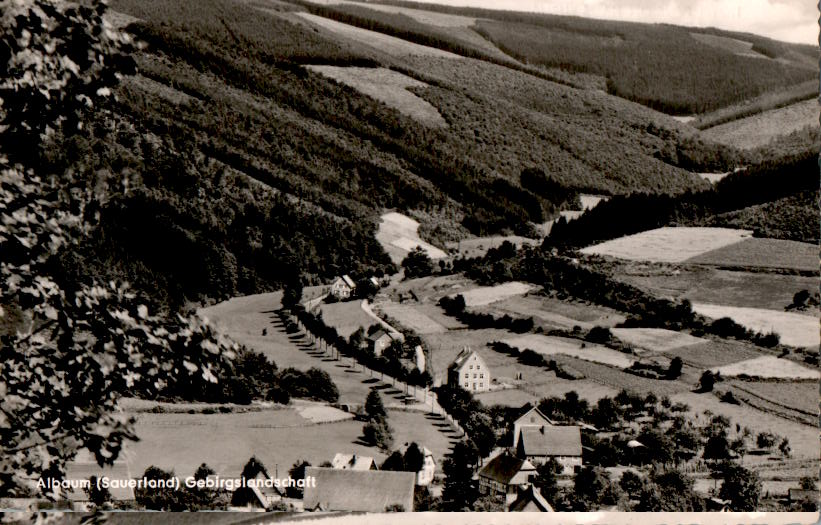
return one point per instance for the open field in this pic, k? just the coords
(484, 295)
(617, 379)
(759, 129)
(243, 319)
(346, 317)
(768, 366)
(762, 253)
(558, 313)
(711, 354)
(794, 329)
(388, 44)
(386, 86)
(655, 339)
(668, 244)
(798, 395)
(398, 235)
(444, 347)
(550, 346)
(714, 285)
(226, 443)
(733, 45)
(410, 317)
(420, 15)
(411, 426)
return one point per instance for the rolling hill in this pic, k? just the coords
(250, 166)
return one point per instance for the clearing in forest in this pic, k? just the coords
(668, 244)
(388, 86)
(398, 235)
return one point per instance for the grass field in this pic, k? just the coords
(398, 235)
(714, 353)
(390, 87)
(668, 244)
(655, 339)
(800, 395)
(346, 317)
(484, 295)
(244, 318)
(226, 442)
(411, 317)
(713, 285)
(768, 367)
(415, 426)
(762, 253)
(550, 346)
(558, 313)
(388, 44)
(759, 129)
(795, 329)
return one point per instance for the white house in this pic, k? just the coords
(342, 287)
(380, 340)
(531, 418)
(469, 371)
(353, 462)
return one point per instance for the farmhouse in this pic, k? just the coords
(530, 418)
(469, 371)
(342, 287)
(562, 443)
(358, 490)
(504, 476)
(530, 500)
(353, 462)
(379, 341)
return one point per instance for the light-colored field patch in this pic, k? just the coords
(733, 45)
(390, 87)
(490, 294)
(713, 177)
(793, 329)
(668, 244)
(763, 253)
(591, 201)
(759, 129)
(346, 317)
(548, 345)
(768, 366)
(655, 339)
(420, 15)
(410, 317)
(319, 413)
(388, 44)
(398, 235)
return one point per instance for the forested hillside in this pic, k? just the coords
(246, 170)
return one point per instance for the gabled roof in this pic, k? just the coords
(504, 467)
(530, 495)
(463, 356)
(533, 410)
(379, 334)
(347, 280)
(352, 461)
(550, 440)
(358, 490)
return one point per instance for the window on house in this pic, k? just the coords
(466, 385)
(481, 376)
(471, 367)
(481, 385)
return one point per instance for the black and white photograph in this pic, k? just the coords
(340, 260)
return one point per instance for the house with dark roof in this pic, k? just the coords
(562, 443)
(504, 476)
(531, 417)
(469, 372)
(342, 287)
(358, 490)
(380, 340)
(530, 500)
